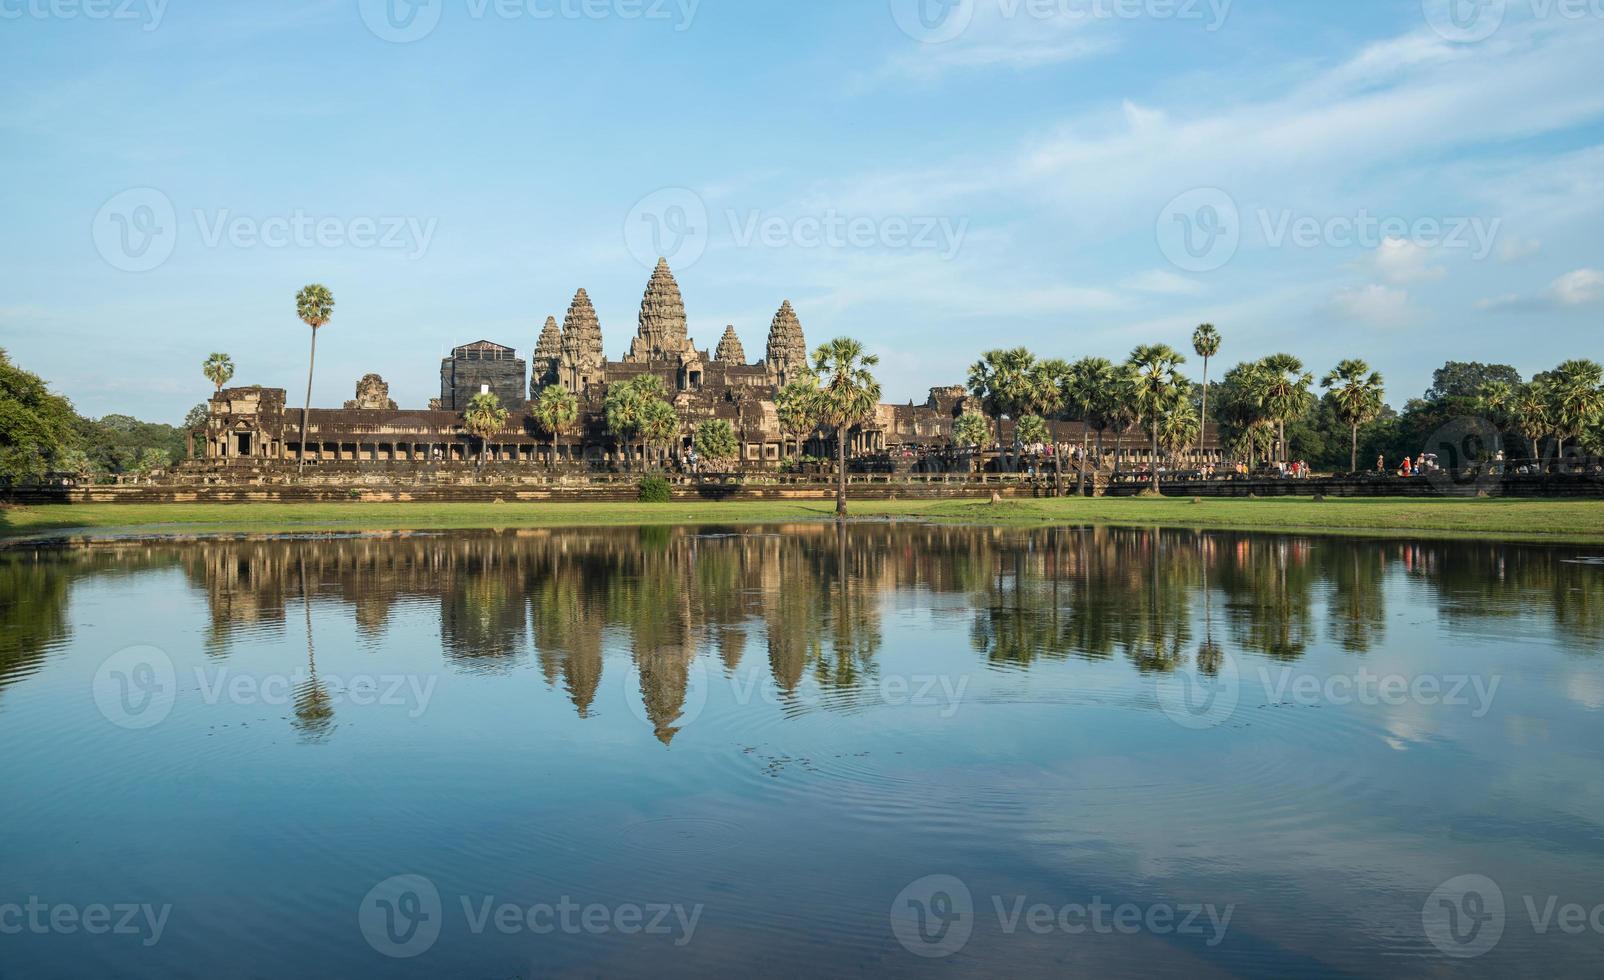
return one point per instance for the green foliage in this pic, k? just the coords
(797, 405)
(195, 418)
(653, 489)
(36, 426)
(314, 305)
(715, 440)
(484, 417)
(218, 369)
(849, 393)
(972, 430)
(152, 459)
(626, 405)
(118, 443)
(1014, 383)
(1031, 429)
(555, 410)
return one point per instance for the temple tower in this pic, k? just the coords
(787, 355)
(544, 365)
(730, 350)
(583, 361)
(663, 334)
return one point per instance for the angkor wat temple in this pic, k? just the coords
(255, 424)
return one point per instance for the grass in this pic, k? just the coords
(1515, 520)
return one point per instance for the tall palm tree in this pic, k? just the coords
(797, 405)
(1356, 393)
(556, 409)
(1576, 390)
(1285, 394)
(1530, 409)
(1178, 428)
(314, 305)
(1156, 388)
(219, 370)
(659, 426)
(1206, 342)
(848, 395)
(484, 417)
(1005, 380)
(1086, 386)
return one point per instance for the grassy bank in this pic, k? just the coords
(1561, 520)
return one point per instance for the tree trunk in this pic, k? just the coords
(1203, 420)
(841, 472)
(1353, 463)
(306, 409)
(1080, 468)
(1154, 462)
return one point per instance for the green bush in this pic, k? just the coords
(654, 490)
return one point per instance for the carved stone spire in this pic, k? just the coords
(548, 356)
(730, 350)
(663, 332)
(788, 351)
(582, 354)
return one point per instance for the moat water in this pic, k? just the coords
(886, 750)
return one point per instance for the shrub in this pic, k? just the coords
(654, 490)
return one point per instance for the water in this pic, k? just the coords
(891, 750)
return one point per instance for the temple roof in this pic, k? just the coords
(483, 347)
(730, 350)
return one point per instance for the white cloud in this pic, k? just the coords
(1002, 34)
(1573, 290)
(1377, 305)
(1162, 282)
(1515, 249)
(1400, 261)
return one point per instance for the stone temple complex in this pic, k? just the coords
(256, 424)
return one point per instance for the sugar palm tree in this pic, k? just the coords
(1156, 388)
(1086, 385)
(1576, 391)
(219, 370)
(1005, 381)
(848, 396)
(1530, 409)
(797, 405)
(659, 426)
(314, 305)
(556, 409)
(1206, 342)
(1178, 429)
(1284, 394)
(484, 417)
(1356, 393)
(627, 404)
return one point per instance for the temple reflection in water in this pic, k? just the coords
(810, 599)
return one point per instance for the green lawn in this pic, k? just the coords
(1564, 520)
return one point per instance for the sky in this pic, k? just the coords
(1405, 181)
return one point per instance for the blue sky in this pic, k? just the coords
(1378, 179)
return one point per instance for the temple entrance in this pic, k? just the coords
(242, 444)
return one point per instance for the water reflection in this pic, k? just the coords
(813, 598)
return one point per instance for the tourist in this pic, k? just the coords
(1406, 467)
(1381, 465)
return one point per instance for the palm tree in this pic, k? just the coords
(627, 406)
(972, 431)
(659, 426)
(1206, 342)
(1576, 389)
(1156, 388)
(556, 409)
(1178, 429)
(1285, 394)
(219, 370)
(848, 396)
(1356, 393)
(1085, 387)
(484, 417)
(314, 305)
(1005, 381)
(797, 406)
(1530, 409)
